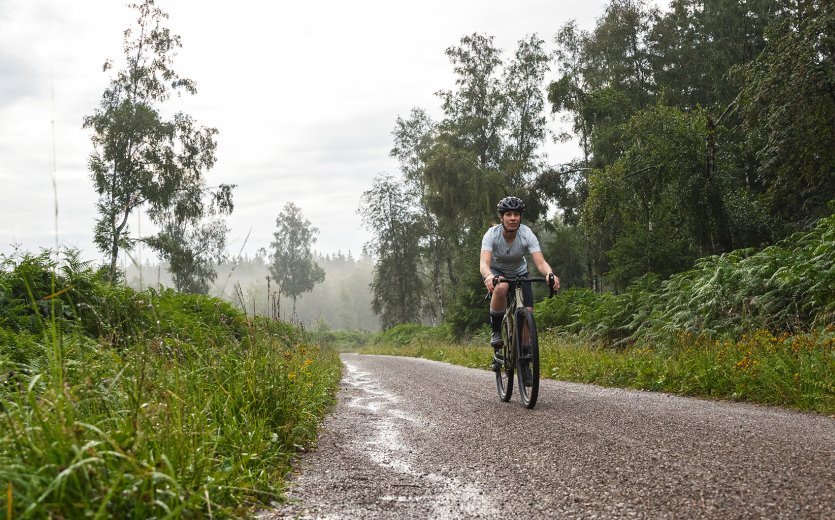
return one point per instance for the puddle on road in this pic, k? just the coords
(386, 448)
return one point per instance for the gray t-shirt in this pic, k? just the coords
(510, 258)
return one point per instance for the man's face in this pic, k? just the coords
(511, 220)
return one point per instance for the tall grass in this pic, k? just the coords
(795, 370)
(155, 405)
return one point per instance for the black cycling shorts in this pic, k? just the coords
(527, 291)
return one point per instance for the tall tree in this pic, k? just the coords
(619, 51)
(141, 157)
(413, 141)
(787, 104)
(293, 265)
(397, 227)
(697, 42)
(525, 101)
(475, 113)
(569, 94)
(523, 79)
(604, 77)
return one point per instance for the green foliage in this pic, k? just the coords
(787, 108)
(696, 42)
(526, 120)
(469, 309)
(192, 250)
(788, 370)
(343, 340)
(475, 112)
(409, 333)
(787, 286)
(676, 161)
(427, 225)
(567, 250)
(196, 317)
(36, 291)
(197, 413)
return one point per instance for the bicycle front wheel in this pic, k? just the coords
(504, 366)
(527, 357)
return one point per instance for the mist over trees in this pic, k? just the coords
(344, 302)
(143, 161)
(703, 129)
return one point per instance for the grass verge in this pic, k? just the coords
(796, 371)
(187, 410)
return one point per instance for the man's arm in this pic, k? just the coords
(543, 267)
(484, 266)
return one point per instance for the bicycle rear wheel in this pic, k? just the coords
(504, 368)
(527, 358)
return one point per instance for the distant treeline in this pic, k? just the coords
(343, 301)
(703, 129)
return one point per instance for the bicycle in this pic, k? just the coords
(520, 347)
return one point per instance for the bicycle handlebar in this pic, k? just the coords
(518, 280)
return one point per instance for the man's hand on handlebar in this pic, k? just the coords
(490, 282)
(553, 282)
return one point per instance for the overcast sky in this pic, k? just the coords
(304, 95)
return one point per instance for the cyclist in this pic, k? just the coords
(503, 251)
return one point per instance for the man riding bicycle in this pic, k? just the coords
(503, 251)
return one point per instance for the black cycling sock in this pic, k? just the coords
(496, 320)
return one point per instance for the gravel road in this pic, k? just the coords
(416, 438)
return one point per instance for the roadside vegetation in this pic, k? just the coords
(749, 325)
(787, 370)
(117, 403)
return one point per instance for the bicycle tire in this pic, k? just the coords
(504, 372)
(526, 326)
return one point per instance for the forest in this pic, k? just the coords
(703, 129)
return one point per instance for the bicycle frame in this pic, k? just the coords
(514, 302)
(515, 335)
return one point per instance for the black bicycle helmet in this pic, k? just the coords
(510, 204)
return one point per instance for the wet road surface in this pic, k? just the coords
(416, 438)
